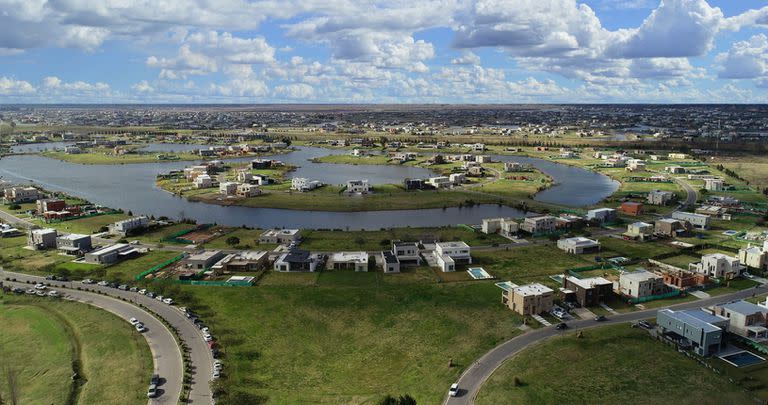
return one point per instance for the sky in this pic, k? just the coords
(396, 51)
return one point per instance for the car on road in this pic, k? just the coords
(123, 287)
(88, 281)
(133, 321)
(140, 327)
(155, 380)
(168, 301)
(142, 291)
(31, 291)
(600, 318)
(134, 289)
(561, 326)
(152, 391)
(454, 390)
(39, 286)
(103, 283)
(40, 293)
(50, 277)
(18, 290)
(159, 298)
(150, 294)
(54, 294)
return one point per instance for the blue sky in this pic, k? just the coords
(397, 51)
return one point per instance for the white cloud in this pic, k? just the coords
(143, 87)
(296, 91)
(11, 86)
(186, 62)
(466, 58)
(746, 59)
(232, 49)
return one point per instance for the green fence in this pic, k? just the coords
(673, 293)
(210, 283)
(576, 271)
(158, 267)
(57, 220)
(466, 227)
(176, 237)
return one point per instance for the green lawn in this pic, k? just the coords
(631, 249)
(101, 157)
(613, 364)
(347, 337)
(84, 225)
(127, 270)
(382, 240)
(529, 263)
(41, 337)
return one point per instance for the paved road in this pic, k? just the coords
(478, 372)
(200, 355)
(691, 194)
(14, 220)
(165, 352)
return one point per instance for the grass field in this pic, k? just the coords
(382, 240)
(529, 263)
(85, 226)
(345, 337)
(42, 337)
(613, 364)
(101, 157)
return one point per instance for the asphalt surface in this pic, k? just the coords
(473, 378)
(165, 352)
(201, 360)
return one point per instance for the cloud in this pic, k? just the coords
(186, 62)
(232, 49)
(745, 59)
(466, 58)
(143, 87)
(11, 86)
(296, 91)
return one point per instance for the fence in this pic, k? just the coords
(57, 220)
(176, 236)
(211, 283)
(466, 227)
(673, 293)
(576, 271)
(158, 267)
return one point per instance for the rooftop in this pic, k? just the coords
(744, 307)
(588, 282)
(204, 255)
(356, 257)
(532, 289)
(696, 318)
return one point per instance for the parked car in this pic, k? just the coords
(151, 295)
(561, 326)
(152, 391)
(133, 321)
(40, 293)
(216, 374)
(123, 287)
(88, 281)
(600, 318)
(454, 390)
(140, 327)
(142, 291)
(134, 289)
(159, 297)
(53, 294)
(51, 277)
(18, 290)
(39, 286)
(31, 291)
(168, 301)
(103, 283)
(155, 380)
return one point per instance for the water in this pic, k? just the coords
(39, 147)
(132, 187)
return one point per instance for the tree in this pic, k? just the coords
(233, 241)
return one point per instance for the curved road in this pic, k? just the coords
(201, 360)
(478, 372)
(165, 352)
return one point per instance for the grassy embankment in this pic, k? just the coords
(41, 338)
(610, 364)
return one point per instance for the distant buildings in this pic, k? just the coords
(601, 215)
(714, 184)
(303, 184)
(126, 226)
(358, 186)
(18, 195)
(280, 236)
(696, 220)
(440, 182)
(503, 226)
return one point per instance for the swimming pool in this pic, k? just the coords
(742, 359)
(478, 273)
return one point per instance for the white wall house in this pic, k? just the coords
(718, 265)
(578, 245)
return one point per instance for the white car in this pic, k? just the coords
(39, 286)
(88, 281)
(134, 321)
(140, 327)
(159, 298)
(216, 374)
(103, 283)
(208, 338)
(205, 331)
(53, 293)
(143, 291)
(454, 390)
(168, 301)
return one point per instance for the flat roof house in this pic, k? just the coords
(540, 224)
(659, 197)
(696, 220)
(280, 236)
(389, 262)
(638, 231)
(670, 227)
(703, 332)
(641, 284)
(587, 292)
(357, 261)
(297, 260)
(529, 299)
(631, 208)
(247, 260)
(440, 182)
(358, 186)
(601, 214)
(744, 318)
(407, 253)
(303, 184)
(42, 238)
(449, 254)
(111, 254)
(578, 245)
(718, 265)
(16, 195)
(74, 244)
(755, 257)
(502, 226)
(202, 260)
(127, 225)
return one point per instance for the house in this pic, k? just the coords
(714, 184)
(202, 260)
(701, 331)
(540, 224)
(513, 167)
(228, 188)
(357, 261)
(755, 257)
(678, 156)
(204, 181)
(483, 159)
(261, 164)
(641, 284)
(17, 195)
(280, 236)
(636, 165)
(244, 176)
(389, 262)
(718, 265)
(8, 231)
(659, 197)
(415, 184)
(674, 169)
(502, 226)
(639, 231)
(247, 190)
(631, 208)
(578, 245)
(246, 260)
(712, 211)
(125, 226)
(529, 299)
(449, 254)
(46, 205)
(74, 244)
(601, 215)
(440, 182)
(696, 220)
(72, 150)
(457, 178)
(683, 279)
(744, 318)
(587, 292)
(304, 184)
(671, 228)
(476, 171)
(42, 238)
(111, 254)
(358, 186)
(407, 253)
(297, 260)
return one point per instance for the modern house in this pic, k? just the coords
(228, 188)
(457, 178)
(587, 292)
(529, 299)
(641, 283)
(17, 195)
(683, 279)
(638, 231)
(718, 265)
(389, 262)
(407, 253)
(659, 197)
(502, 226)
(514, 167)
(125, 226)
(202, 260)
(74, 244)
(204, 181)
(48, 204)
(714, 184)
(246, 260)
(755, 257)
(541, 224)
(111, 254)
(636, 165)
(671, 228)
(601, 214)
(696, 220)
(631, 208)
(440, 182)
(246, 190)
(41, 239)
(578, 245)
(303, 184)
(449, 254)
(297, 260)
(357, 261)
(700, 331)
(358, 186)
(280, 236)
(744, 318)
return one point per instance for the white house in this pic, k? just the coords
(639, 230)
(502, 226)
(304, 184)
(718, 265)
(659, 197)
(714, 184)
(357, 261)
(641, 283)
(578, 245)
(228, 188)
(280, 236)
(636, 165)
(448, 254)
(440, 182)
(358, 186)
(601, 214)
(457, 178)
(127, 225)
(204, 181)
(247, 190)
(513, 167)
(540, 224)
(696, 220)
(755, 257)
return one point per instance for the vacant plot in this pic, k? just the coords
(127, 270)
(530, 263)
(351, 337)
(639, 250)
(85, 226)
(610, 365)
(382, 240)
